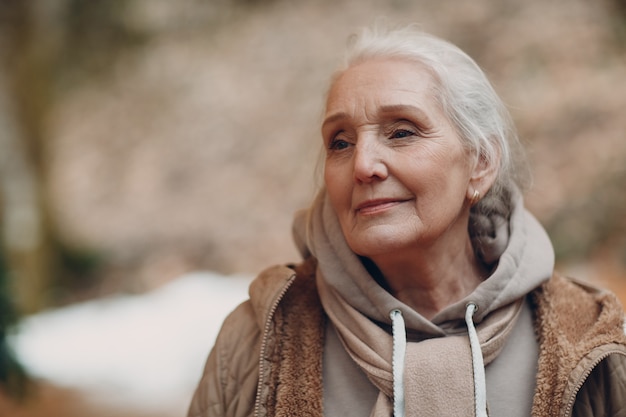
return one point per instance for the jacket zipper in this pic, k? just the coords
(570, 404)
(266, 330)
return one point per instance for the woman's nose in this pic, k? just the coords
(369, 164)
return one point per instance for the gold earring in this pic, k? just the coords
(475, 197)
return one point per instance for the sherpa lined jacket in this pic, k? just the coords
(267, 359)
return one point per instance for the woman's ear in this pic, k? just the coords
(482, 176)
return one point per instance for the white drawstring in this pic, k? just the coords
(397, 361)
(398, 356)
(480, 386)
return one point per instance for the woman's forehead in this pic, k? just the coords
(383, 84)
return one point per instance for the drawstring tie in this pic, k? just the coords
(480, 386)
(398, 355)
(397, 361)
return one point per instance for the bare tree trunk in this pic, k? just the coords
(25, 88)
(39, 40)
(23, 236)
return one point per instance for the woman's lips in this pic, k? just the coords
(376, 206)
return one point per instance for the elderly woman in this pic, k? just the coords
(426, 287)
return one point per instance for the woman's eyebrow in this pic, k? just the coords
(414, 113)
(400, 108)
(333, 118)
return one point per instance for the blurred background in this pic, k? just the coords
(149, 143)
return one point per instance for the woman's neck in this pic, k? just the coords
(429, 282)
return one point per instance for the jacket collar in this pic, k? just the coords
(267, 289)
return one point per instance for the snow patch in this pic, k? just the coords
(144, 351)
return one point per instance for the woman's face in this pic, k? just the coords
(395, 170)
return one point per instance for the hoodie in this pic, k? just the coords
(522, 258)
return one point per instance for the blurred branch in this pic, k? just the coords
(595, 222)
(617, 18)
(94, 35)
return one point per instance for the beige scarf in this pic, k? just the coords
(438, 374)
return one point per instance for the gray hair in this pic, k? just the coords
(467, 98)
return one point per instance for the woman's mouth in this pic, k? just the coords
(371, 207)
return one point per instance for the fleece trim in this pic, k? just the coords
(577, 326)
(295, 352)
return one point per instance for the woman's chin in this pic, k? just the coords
(372, 245)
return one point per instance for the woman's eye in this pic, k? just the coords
(402, 133)
(338, 144)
